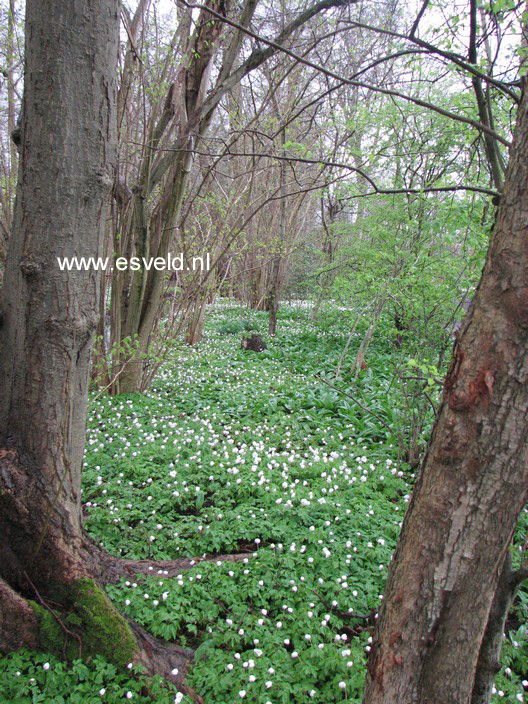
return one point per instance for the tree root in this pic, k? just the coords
(114, 568)
(18, 621)
(169, 660)
(24, 624)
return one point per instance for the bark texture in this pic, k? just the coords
(18, 621)
(489, 658)
(67, 162)
(473, 483)
(67, 159)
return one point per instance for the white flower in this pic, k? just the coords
(174, 671)
(129, 695)
(242, 693)
(102, 691)
(46, 666)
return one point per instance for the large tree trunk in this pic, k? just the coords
(67, 161)
(50, 572)
(473, 485)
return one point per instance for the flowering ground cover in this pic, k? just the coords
(232, 452)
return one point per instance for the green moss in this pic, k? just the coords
(104, 630)
(90, 614)
(50, 634)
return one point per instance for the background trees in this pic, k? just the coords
(11, 72)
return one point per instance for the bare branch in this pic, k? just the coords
(334, 164)
(418, 18)
(260, 55)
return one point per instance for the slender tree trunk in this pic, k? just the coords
(457, 532)
(9, 176)
(274, 285)
(11, 111)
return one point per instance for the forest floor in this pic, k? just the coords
(234, 451)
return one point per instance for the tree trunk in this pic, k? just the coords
(66, 170)
(489, 657)
(473, 484)
(50, 572)
(274, 284)
(49, 315)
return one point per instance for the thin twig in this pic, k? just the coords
(66, 630)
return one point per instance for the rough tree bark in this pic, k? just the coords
(440, 613)
(66, 151)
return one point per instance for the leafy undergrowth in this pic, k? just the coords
(233, 451)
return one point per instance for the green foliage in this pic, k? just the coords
(237, 453)
(27, 678)
(234, 327)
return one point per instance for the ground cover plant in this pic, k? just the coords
(232, 451)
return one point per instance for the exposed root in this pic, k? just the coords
(114, 568)
(24, 624)
(169, 660)
(18, 622)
